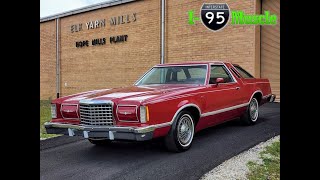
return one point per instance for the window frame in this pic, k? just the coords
(236, 72)
(234, 80)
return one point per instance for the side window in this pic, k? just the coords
(219, 71)
(243, 72)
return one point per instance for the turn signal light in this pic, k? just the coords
(144, 114)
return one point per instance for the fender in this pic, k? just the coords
(176, 114)
(254, 94)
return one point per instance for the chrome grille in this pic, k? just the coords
(96, 114)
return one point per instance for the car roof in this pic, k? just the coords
(193, 63)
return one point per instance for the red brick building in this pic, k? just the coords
(124, 41)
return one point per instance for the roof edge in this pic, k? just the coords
(85, 9)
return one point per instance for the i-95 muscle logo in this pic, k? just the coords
(215, 16)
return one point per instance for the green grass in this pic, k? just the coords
(270, 168)
(45, 116)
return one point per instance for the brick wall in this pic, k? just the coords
(110, 65)
(48, 60)
(235, 43)
(116, 65)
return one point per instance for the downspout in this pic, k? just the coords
(162, 31)
(260, 40)
(57, 58)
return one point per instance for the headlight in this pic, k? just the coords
(144, 114)
(53, 111)
(69, 111)
(127, 113)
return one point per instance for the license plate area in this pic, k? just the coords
(108, 134)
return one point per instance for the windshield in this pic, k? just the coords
(175, 75)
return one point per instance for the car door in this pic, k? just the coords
(221, 98)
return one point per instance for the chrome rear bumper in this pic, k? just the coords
(272, 98)
(106, 132)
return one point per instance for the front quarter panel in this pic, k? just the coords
(162, 114)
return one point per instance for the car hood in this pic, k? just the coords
(128, 94)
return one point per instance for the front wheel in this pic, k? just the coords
(251, 115)
(181, 133)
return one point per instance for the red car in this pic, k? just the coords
(171, 100)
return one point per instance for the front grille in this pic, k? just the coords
(96, 114)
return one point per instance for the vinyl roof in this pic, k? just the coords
(85, 9)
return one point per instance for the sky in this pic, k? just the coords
(50, 7)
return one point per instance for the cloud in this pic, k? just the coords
(50, 7)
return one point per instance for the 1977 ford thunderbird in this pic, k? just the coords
(171, 100)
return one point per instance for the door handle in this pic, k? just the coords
(237, 88)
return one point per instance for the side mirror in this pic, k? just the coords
(219, 80)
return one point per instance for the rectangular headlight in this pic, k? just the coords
(53, 111)
(144, 114)
(127, 113)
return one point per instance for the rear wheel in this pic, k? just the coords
(251, 115)
(99, 142)
(181, 133)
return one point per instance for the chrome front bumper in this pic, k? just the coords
(272, 98)
(102, 132)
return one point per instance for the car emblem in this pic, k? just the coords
(68, 111)
(125, 113)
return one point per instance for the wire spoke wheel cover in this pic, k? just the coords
(254, 110)
(185, 130)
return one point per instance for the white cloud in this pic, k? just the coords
(50, 7)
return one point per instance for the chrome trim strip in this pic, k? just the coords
(235, 72)
(138, 81)
(94, 101)
(230, 73)
(224, 110)
(182, 107)
(235, 69)
(59, 125)
(175, 115)
(121, 105)
(254, 94)
(170, 65)
(187, 95)
(101, 128)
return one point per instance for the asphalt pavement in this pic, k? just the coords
(76, 158)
